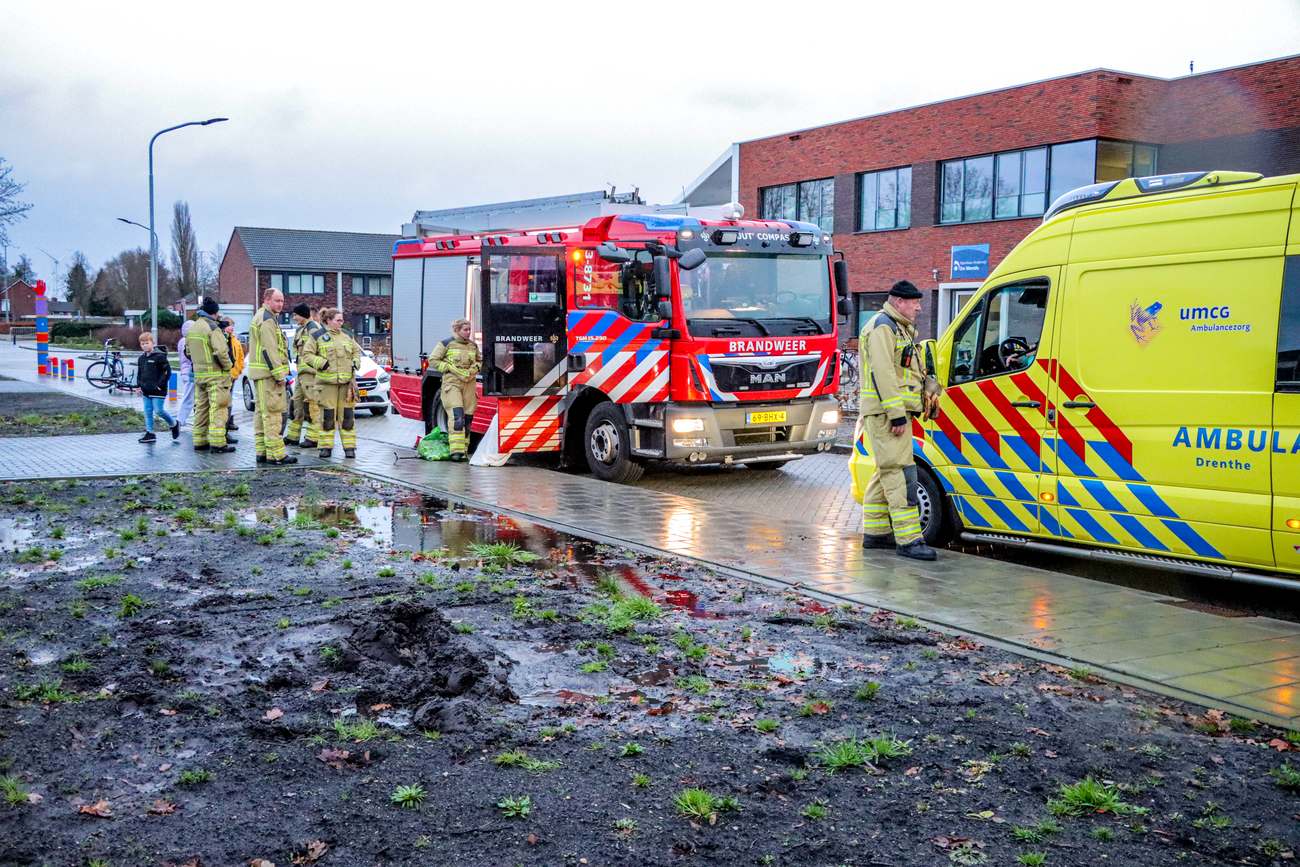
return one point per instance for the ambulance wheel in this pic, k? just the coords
(608, 444)
(378, 410)
(930, 504)
(250, 402)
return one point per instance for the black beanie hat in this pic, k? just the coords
(209, 306)
(302, 310)
(904, 289)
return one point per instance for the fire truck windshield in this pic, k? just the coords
(747, 293)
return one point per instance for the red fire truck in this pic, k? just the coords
(633, 338)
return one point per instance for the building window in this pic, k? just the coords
(885, 200)
(811, 201)
(299, 284)
(372, 285)
(369, 325)
(1014, 184)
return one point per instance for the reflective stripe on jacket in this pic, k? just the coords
(209, 352)
(334, 356)
(457, 360)
(304, 348)
(888, 386)
(268, 354)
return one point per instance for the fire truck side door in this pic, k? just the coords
(522, 304)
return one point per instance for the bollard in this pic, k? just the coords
(72, 371)
(53, 366)
(171, 387)
(42, 331)
(63, 368)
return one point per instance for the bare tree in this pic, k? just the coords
(11, 210)
(185, 250)
(210, 269)
(24, 271)
(123, 282)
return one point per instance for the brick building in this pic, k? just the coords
(18, 301)
(939, 193)
(352, 271)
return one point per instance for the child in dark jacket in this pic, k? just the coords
(152, 377)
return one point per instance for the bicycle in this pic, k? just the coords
(850, 381)
(109, 370)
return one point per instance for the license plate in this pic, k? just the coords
(363, 391)
(768, 417)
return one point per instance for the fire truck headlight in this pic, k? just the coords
(831, 416)
(687, 425)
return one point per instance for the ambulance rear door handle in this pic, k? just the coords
(1026, 404)
(1078, 404)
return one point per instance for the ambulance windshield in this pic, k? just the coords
(748, 294)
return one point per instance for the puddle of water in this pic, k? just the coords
(793, 663)
(685, 600)
(556, 698)
(44, 655)
(15, 536)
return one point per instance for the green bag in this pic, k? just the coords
(434, 446)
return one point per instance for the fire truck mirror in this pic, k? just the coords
(842, 278)
(691, 259)
(665, 310)
(612, 253)
(662, 277)
(842, 307)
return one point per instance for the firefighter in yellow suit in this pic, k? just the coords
(892, 382)
(458, 360)
(268, 368)
(210, 355)
(335, 357)
(306, 409)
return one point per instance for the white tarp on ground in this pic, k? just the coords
(487, 455)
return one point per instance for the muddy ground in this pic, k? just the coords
(252, 666)
(28, 410)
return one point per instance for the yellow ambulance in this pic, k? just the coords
(1126, 383)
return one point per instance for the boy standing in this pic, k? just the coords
(152, 376)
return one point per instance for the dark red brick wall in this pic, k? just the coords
(377, 305)
(22, 301)
(235, 279)
(1246, 118)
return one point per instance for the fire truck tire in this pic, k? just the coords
(608, 445)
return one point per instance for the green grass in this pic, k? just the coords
(12, 790)
(816, 707)
(517, 807)
(408, 797)
(330, 655)
(868, 691)
(641, 781)
(360, 731)
(1088, 796)
(386, 572)
(195, 777)
(766, 726)
(907, 623)
(46, 691)
(816, 811)
(187, 515)
(502, 554)
(1286, 777)
(1035, 833)
(703, 804)
(860, 753)
(129, 606)
(76, 665)
(689, 648)
(1032, 859)
(33, 554)
(631, 748)
(594, 667)
(521, 759)
(622, 614)
(696, 684)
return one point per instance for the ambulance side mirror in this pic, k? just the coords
(841, 278)
(929, 351)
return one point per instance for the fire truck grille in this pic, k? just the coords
(761, 436)
(764, 377)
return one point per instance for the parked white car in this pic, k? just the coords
(372, 384)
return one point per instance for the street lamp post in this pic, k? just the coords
(153, 236)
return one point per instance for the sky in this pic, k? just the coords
(353, 116)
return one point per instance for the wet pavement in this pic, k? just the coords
(1248, 665)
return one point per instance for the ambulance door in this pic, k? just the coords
(1164, 379)
(994, 409)
(522, 295)
(1285, 444)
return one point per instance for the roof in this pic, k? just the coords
(315, 250)
(1100, 70)
(63, 307)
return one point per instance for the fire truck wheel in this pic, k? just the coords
(609, 445)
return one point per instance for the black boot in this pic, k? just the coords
(148, 437)
(349, 453)
(872, 542)
(176, 430)
(221, 450)
(280, 462)
(261, 459)
(231, 439)
(307, 444)
(917, 550)
(324, 453)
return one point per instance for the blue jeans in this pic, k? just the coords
(156, 405)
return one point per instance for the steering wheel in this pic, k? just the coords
(1010, 347)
